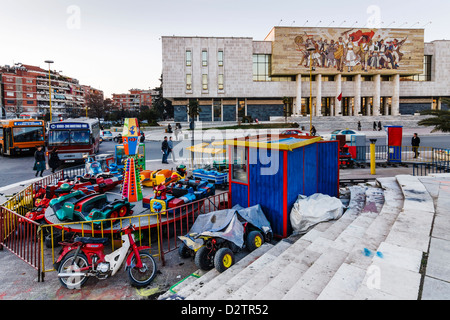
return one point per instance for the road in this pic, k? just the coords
(17, 169)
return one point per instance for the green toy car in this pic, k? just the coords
(77, 206)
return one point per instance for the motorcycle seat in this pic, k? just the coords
(87, 240)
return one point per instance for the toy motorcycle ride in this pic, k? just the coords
(85, 258)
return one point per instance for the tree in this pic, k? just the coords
(193, 110)
(162, 106)
(441, 121)
(97, 107)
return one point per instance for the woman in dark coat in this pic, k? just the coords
(53, 161)
(39, 164)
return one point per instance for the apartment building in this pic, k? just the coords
(29, 89)
(133, 100)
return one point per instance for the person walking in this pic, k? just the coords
(415, 142)
(359, 125)
(313, 131)
(54, 160)
(165, 150)
(379, 125)
(170, 143)
(374, 126)
(39, 161)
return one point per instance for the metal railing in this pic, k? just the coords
(424, 169)
(399, 154)
(21, 237)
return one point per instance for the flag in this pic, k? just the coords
(340, 97)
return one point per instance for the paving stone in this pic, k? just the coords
(435, 289)
(438, 265)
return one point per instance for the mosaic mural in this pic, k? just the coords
(341, 50)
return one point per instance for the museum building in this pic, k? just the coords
(333, 71)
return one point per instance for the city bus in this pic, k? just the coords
(74, 139)
(18, 136)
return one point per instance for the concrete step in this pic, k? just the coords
(213, 279)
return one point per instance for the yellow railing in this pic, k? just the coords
(108, 228)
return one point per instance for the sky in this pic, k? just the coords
(116, 45)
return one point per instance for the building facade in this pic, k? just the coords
(25, 89)
(336, 72)
(134, 100)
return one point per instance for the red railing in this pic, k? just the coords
(177, 221)
(21, 236)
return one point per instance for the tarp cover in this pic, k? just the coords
(309, 211)
(226, 224)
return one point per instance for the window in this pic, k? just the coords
(204, 81)
(217, 109)
(29, 134)
(239, 170)
(10, 94)
(426, 72)
(220, 81)
(262, 67)
(220, 58)
(189, 82)
(204, 58)
(188, 58)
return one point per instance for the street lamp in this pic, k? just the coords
(49, 87)
(310, 49)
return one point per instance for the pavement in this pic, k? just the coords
(18, 281)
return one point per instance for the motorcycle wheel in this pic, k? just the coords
(203, 260)
(223, 259)
(144, 276)
(68, 265)
(183, 251)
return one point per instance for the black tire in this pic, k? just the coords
(203, 259)
(57, 238)
(67, 265)
(142, 277)
(223, 259)
(254, 240)
(183, 251)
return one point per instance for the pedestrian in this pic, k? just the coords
(170, 143)
(169, 128)
(359, 125)
(415, 142)
(379, 125)
(176, 131)
(165, 150)
(313, 131)
(39, 161)
(142, 139)
(54, 160)
(374, 126)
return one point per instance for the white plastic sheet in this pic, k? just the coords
(309, 211)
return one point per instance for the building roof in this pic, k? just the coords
(275, 142)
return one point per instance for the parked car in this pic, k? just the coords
(294, 133)
(106, 135)
(347, 132)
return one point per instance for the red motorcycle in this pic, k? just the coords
(85, 258)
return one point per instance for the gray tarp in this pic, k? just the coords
(226, 223)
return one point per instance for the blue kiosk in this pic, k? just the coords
(273, 170)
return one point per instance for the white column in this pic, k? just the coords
(357, 94)
(298, 96)
(338, 92)
(376, 94)
(318, 95)
(396, 95)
